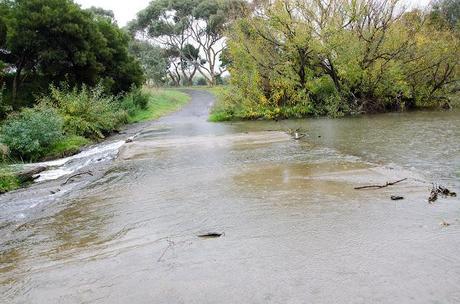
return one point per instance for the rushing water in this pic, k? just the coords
(295, 230)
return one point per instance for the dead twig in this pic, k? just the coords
(171, 243)
(75, 175)
(381, 186)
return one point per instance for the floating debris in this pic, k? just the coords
(439, 190)
(170, 245)
(381, 186)
(396, 198)
(445, 224)
(211, 235)
(76, 175)
(296, 134)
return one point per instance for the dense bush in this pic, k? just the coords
(29, 133)
(134, 101)
(337, 57)
(86, 112)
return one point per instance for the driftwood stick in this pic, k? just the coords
(380, 186)
(75, 175)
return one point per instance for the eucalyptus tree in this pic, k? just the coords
(153, 60)
(194, 30)
(167, 24)
(211, 20)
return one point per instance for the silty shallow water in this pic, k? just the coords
(295, 229)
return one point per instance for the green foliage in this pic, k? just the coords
(29, 133)
(8, 180)
(153, 59)
(50, 41)
(66, 146)
(201, 81)
(161, 102)
(67, 119)
(447, 11)
(135, 101)
(86, 112)
(296, 58)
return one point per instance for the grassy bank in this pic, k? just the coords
(64, 122)
(161, 103)
(9, 181)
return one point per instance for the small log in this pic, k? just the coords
(381, 186)
(30, 175)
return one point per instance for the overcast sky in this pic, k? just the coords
(126, 10)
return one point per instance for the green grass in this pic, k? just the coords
(68, 146)
(8, 181)
(162, 102)
(219, 111)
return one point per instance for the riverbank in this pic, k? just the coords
(227, 108)
(161, 102)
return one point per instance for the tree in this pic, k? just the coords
(336, 56)
(211, 20)
(167, 23)
(120, 69)
(448, 11)
(153, 59)
(192, 31)
(102, 13)
(50, 41)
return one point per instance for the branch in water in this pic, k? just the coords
(380, 186)
(75, 175)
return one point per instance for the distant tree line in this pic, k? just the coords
(45, 42)
(180, 39)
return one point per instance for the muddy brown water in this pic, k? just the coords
(294, 229)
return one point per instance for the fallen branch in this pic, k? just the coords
(30, 175)
(75, 175)
(381, 186)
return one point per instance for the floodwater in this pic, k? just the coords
(294, 229)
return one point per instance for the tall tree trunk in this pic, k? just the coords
(16, 84)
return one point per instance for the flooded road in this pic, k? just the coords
(294, 228)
